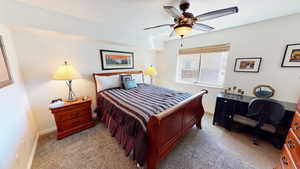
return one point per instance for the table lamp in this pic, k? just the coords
(151, 71)
(67, 72)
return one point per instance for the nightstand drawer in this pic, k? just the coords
(286, 161)
(296, 124)
(68, 108)
(72, 114)
(293, 145)
(69, 124)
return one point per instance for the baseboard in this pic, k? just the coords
(46, 131)
(40, 133)
(33, 151)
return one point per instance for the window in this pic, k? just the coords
(203, 68)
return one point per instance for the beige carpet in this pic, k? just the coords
(96, 149)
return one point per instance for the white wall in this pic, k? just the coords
(18, 128)
(41, 52)
(264, 39)
(22, 14)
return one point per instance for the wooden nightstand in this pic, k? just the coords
(73, 117)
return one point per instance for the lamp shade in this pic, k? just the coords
(66, 72)
(151, 71)
(182, 30)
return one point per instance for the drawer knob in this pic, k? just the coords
(296, 125)
(284, 160)
(290, 144)
(225, 101)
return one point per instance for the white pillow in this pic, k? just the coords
(138, 78)
(107, 82)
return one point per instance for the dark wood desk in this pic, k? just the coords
(227, 106)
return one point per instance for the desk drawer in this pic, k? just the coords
(296, 124)
(293, 144)
(286, 160)
(224, 112)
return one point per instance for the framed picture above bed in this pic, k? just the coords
(111, 60)
(5, 76)
(251, 65)
(291, 56)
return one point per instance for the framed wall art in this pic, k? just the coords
(5, 76)
(251, 65)
(111, 60)
(291, 56)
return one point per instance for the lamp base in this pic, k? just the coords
(72, 99)
(72, 96)
(151, 80)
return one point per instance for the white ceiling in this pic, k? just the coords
(131, 16)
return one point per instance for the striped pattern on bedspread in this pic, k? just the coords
(144, 101)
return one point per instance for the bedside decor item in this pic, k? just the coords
(56, 104)
(111, 60)
(263, 91)
(247, 64)
(68, 73)
(291, 56)
(151, 71)
(55, 100)
(5, 76)
(73, 117)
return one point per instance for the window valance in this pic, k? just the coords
(206, 49)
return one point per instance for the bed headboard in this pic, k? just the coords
(115, 73)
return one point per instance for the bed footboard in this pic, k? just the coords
(167, 128)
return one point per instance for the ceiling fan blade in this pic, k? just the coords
(158, 26)
(217, 13)
(175, 13)
(172, 33)
(202, 27)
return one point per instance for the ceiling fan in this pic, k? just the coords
(186, 21)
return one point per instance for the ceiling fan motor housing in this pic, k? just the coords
(184, 5)
(187, 19)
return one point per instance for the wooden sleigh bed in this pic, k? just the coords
(165, 129)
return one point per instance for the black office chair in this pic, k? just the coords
(265, 111)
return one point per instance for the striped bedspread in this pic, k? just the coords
(144, 101)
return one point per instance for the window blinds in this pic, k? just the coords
(206, 49)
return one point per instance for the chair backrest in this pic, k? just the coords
(266, 110)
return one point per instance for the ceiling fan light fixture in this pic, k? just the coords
(182, 30)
